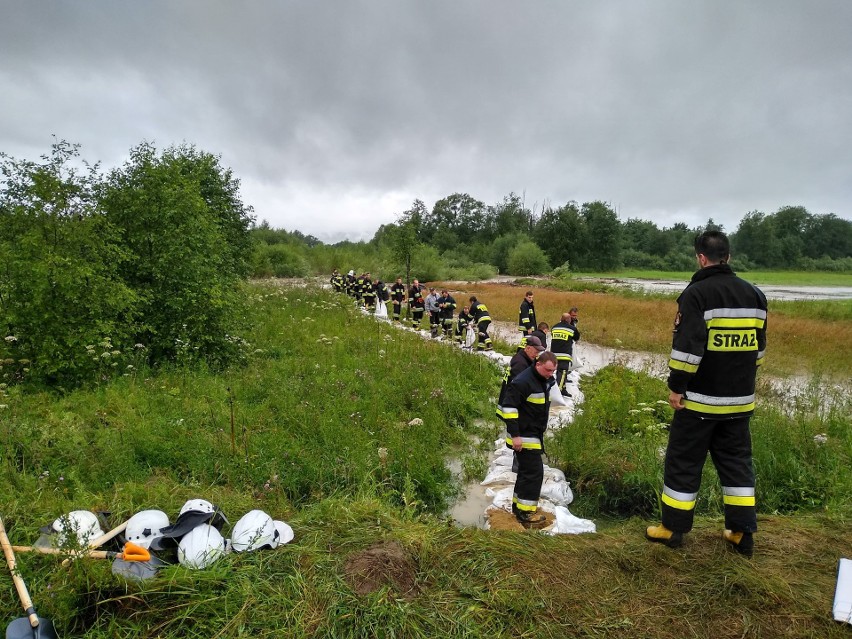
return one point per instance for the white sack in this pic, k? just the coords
(568, 524)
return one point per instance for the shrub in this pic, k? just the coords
(527, 258)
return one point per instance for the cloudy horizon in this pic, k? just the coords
(335, 116)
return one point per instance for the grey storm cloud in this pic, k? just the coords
(336, 115)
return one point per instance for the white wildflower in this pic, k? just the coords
(416, 422)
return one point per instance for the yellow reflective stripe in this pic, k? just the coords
(536, 398)
(718, 410)
(676, 503)
(682, 366)
(736, 500)
(563, 358)
(735, 322)
(530, 443)
(520, 505)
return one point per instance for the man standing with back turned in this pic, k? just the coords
(719, 341)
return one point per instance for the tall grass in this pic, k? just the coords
(324, 389)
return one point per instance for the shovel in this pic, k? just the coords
(134, 562)
(32, 625)
(131, 552)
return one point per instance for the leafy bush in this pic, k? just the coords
(527, 258)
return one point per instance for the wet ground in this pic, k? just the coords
(772, 291)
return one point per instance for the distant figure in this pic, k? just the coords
(526, 318)
(482, 320)
(447, 304)
(336, 281)
(349, 283)
(719, 341)
(416, 303)
(562, 339)
(398, 298)
(434, 311)
(368, 292)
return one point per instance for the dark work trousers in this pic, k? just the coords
(416, 316)
(563, 367)
(397, 310)
(484, 340)
(728, 440)
(530, 468)
(434, 322)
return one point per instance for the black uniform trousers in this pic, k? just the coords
(563, 367)
(397, 310)
(529, 466)
(728, 440)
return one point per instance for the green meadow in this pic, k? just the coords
(342, 426)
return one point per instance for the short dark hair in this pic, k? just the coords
(528, 293)
(713, 245)
(473, 298)
(547, 356)
(542, 326)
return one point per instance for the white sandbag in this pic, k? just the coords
(843, 593)
(501, 499)
(558, 492)
(568, 524)
(499, 475)
(381, 309)
(556, 397)
(554, 474)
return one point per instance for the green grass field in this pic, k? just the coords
(342, 427)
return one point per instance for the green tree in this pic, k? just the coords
(66, 314)
(526, 258)
(187, 232)
(603, 236)
(561, 233)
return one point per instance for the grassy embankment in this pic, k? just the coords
(325, 390)
(803, 337)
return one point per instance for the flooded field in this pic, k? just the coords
(773, 292)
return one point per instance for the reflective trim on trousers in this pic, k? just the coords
(678, 500)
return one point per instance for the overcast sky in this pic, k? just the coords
(335, 115)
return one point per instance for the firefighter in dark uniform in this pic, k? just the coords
(416, 303)
(719, 341)
(349, 283)
(525, 410)
(462, 321)
(368, 292)
(482, 320)
(359, 288)
(562, 338)
(526, 318)
(520, 362)
(398, 298)
(337, 281)
(382, 292)
(447, 304)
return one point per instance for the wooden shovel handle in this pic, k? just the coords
(20, 586)
(94, 554)
(100, 541)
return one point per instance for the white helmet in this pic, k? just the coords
(256, 530)
(193, 513)
(146, 526)
(82, 524)
(201, 546)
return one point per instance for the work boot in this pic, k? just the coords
(741, 542)
(531, 520)
(662, 535)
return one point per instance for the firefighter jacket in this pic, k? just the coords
(480, 313)
(367, 289)
(415, 296)
(464, 317)
(359, 286)
(562, 338)
(382, 290)
(448, 306)
(719, 341)
(517, 365)
(337, 281)
(526, 407)
(398, 293)
(349, 284)
(526, 317)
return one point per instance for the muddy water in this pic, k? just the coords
(772, 291)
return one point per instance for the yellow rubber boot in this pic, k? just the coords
(662, 535)
(741, 542)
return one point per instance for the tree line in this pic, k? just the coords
(462, 238)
